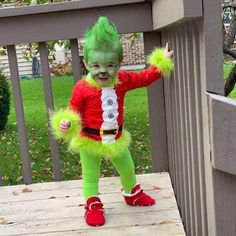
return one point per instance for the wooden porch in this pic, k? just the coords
(57, 208)
(191, 124)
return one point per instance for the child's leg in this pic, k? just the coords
(133, 193)
(94, 214)
(91, 173)
(125, 167)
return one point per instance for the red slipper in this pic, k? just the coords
(138, 198)
(94, 214)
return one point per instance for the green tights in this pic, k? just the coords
(91, 172)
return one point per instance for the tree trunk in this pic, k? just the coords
(232, 32)
(230, 38)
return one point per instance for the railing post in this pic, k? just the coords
(156, 113)
(49, 106)
(24, 149)
(75, 59)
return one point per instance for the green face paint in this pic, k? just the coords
(101, 37)
(103, 66)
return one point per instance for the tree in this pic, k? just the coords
(4, 100)
(229, 17)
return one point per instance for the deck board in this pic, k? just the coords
(57, 208)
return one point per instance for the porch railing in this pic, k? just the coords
(60, 21)
(188, 124)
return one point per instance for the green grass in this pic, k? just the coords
(227, 68)
(136, 121)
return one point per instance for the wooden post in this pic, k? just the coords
(24, 149)
(156, 113)
(75, 59)
(49, 105)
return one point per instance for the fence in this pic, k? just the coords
(192, 128)
(132, 46)
(200, 134)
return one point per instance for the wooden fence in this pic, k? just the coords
(191, 123)
(133, 56)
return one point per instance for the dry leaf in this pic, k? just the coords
(52, 197)
(15, 193)
(81, 204)
(5, 221)
(72, 205)
(167, 222)
(156, 187)
(26, 190)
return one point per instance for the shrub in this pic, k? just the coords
(4, 100)
(62, 69)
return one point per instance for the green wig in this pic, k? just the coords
(102, 36)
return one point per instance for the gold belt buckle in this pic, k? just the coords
(116, 131)
(101, 132)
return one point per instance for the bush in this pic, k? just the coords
(4, 100)
(62, 69)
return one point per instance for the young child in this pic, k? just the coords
(93, 123)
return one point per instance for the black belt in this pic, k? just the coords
(102, 132)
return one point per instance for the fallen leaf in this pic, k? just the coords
(15, 193)
(52, 197)
(19, 179)
(81, 204)
(72, 205)
(167, 222)
(5, 221)
(156, 187)
(26, 190)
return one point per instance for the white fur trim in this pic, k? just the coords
(132, 194)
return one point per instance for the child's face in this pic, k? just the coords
(103, 66)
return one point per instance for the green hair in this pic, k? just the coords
(102, 36)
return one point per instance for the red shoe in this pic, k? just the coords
(138, 198)
(94, 214)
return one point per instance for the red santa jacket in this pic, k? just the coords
(102, 108)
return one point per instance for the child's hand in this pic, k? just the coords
(168, 53)
(64, 126)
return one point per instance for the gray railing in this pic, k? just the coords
(188, 125)
(60, 21)
(200, 125)
(185, 126)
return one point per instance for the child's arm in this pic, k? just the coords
(160, 64)
(67, 123)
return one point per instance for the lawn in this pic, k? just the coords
(136, 120)
(227, 68)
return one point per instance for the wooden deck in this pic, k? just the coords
(57, 209)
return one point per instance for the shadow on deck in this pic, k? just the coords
(57, 208)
